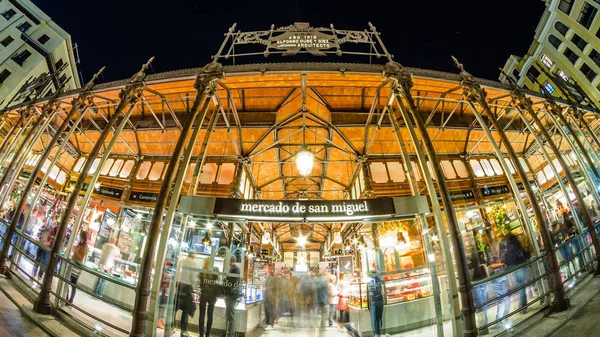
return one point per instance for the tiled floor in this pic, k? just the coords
(13, 323)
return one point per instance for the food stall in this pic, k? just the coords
(407, 279)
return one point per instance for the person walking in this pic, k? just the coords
(110, 251)
(342, 306)
(480, 292)
(233, 294)
(333, 298)
(322, 285)
(513, 254)
(183, 296)
(79, 253)
(270, 299)
(46, 237)
(209, 291)
(375, 303)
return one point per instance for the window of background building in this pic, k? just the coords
(448, 169)
(533, 74)
(476, 167)
(554, 41)
(565, 6)
(595, 56)
(9, 14)
(43, 39)
(21, 57)
(378, 172)
(4, 75)
(487, 167)
(587, 15)
(561, 28)
(515, 74)
(24, 26)
(598, 33)
(546, 61)
(548, 87)
(571, 55)
(7, 40)
(397, 171)
(58, 64)
(461, 169)
(579, 42)
(562, 75)
(588, 72)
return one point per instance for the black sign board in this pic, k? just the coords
(110, 192)
(143, 196)
(495, 190)
(264, 252)
(338, 251)
(294, 210)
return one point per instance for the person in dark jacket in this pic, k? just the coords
(376, 302)
(323, 299)
(480, 292)
(233, 290)
(209, 291)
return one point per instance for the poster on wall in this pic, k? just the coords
(314, 259)
(259, 272)
(345, 264)
(288, 259)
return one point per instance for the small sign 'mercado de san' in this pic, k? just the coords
(302, 36)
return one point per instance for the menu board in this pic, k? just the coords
(259, 273)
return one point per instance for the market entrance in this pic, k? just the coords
(258, 267)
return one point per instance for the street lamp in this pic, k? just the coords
(304, 161)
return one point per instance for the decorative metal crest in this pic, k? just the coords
(301, 38)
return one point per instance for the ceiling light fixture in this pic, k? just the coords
(301, 241)
(304, 161)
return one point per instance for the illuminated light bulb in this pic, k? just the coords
(304, 162)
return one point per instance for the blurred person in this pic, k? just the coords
(209, 291)
(560, 234)
(342, 306)
(46, 238)
(513, 254)
(480, 292)
(270, 298)
(183, 295)
(109, 252)
(333, 298)
(322, 285)
(79, 253)
(233, 295)
(375, 302)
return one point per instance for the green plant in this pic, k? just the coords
(479, 241)
(500, 219)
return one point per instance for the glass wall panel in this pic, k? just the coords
(396, 170)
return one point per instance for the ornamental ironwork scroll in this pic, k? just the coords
(301, 38)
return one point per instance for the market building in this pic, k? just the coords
(564, 58)
(36, 55)
(436, 204)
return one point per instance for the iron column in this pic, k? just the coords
(476, 94)
(205, 87)
(130, 94)
(78, 104)
(401, 85)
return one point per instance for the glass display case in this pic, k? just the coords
(358, 295)
(408, 287)
(398, 288)
(253, 293)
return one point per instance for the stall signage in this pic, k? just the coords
(495, 190)
(143, 196)
(459, 195)
(304, 209)
(109, 192)
(264, 252)
(337, 251)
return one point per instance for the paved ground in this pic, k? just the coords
(584, 323)
(13, 323)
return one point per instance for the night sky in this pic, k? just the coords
(122, 35)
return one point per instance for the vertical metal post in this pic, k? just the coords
(475, 93)
(525, 103)
(29, 138)
(78, 105)
(584, 153)
(552, 110)
(28, 115)
(10, 134)
(412, 182)
(164, 238)
(580, 134)
(205, 87)
(401, 85)
(129, 95)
